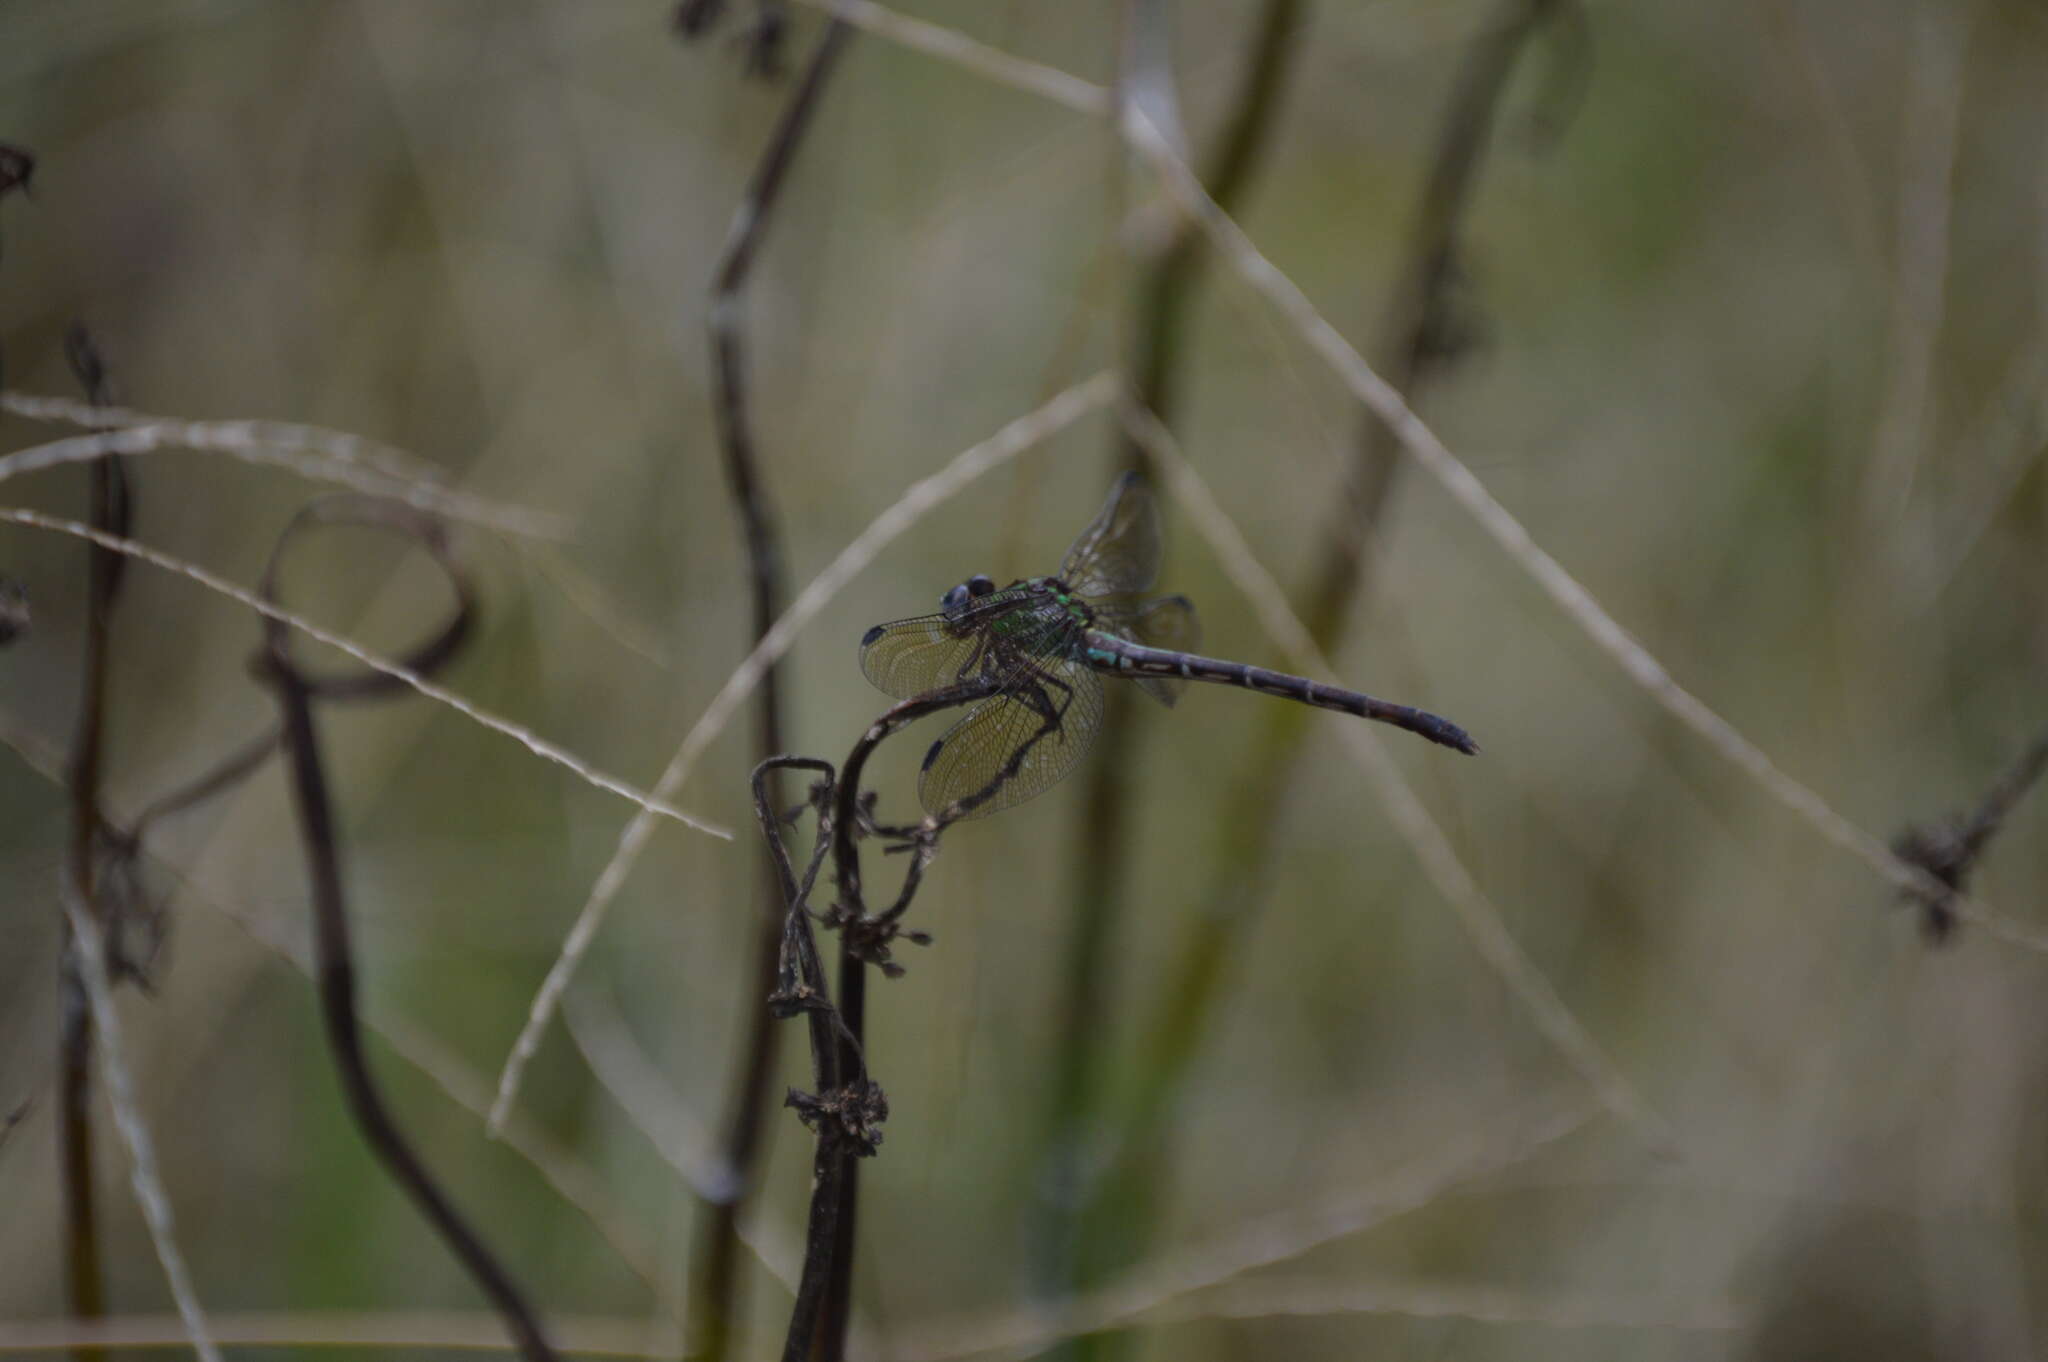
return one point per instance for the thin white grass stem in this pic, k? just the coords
(1479, 1304)
(958, 49)
(1929, 126)
(142, 1174)
(650, 806)
(1439, 860)
(465, 1331)
(588, 596)
(1258, 1244)
(311, 451)
(623, 1069)
(340, 444)
(917, 501)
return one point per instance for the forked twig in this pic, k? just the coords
(847, 1107)
(864, 940)
(802, 989)
(1948, 851)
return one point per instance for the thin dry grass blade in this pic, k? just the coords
(650, 806)
(149, 1188)
(959, 50)
(1480, 1304)
(311, 451)
(1261, 1243)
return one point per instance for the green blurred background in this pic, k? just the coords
(1762, 364)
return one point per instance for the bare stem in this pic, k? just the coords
(846, 1107)
(334, 963)
(109, 514)
(801, 987)
(714, 1284)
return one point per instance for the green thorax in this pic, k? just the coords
(1041, 597)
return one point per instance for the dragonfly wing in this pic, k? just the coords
(1162, 622)
(909, 657)
(1119, 551)
(1013, 746)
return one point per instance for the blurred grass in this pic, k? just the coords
(482, 231)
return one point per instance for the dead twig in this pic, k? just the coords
(295, 691)
(111, 513)
(1948, 850)
(847, 1107)
(714, 1277)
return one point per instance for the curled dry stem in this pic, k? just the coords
(296, 691)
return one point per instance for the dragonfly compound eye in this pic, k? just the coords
(954, 599)
(980, 585)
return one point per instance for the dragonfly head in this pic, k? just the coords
(973, 588)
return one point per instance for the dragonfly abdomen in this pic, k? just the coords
(1134, 659)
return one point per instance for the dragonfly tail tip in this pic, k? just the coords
(1455, 737)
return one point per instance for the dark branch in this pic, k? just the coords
(714, 1268)
(846, 1107)
(109, 512)
(17, 168)
(334, 962)
(1949, 850)
(801, 988)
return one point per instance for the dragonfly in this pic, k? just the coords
(1040, 647)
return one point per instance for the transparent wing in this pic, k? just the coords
(910, 657)
(1163, 622)
(1016, 745)
(1118, 554)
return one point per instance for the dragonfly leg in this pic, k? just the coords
(1035, 695)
